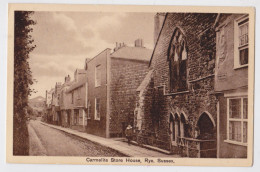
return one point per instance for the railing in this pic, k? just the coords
(149, 140)
(201, 148)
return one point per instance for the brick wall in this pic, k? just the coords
(126, 76)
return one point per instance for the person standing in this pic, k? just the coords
(129, 133)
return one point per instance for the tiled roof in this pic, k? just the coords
(133, 53)
(77, 84)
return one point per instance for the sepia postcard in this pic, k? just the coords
(130, 85)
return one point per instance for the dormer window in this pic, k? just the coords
(177, 57)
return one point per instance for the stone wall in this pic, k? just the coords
(199, 97)
(126, 76)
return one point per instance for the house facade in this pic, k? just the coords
(112, 81)
(76, 98)
(128, 67)
(55, 106)
(65, 103)
(97, 115)
(176, 107)
(231, 84)
(48, 105)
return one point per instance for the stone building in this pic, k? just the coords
(176, 107)
(128, 67)
(231, 84)
(112, 80)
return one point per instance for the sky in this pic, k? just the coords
(65, 39)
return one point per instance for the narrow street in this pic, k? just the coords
(51, 142)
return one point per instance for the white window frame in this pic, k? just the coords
(96, 117)
(242, 120)
(236, 42)
(96, 74)
(88, 115)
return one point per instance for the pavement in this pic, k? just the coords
(116, 144)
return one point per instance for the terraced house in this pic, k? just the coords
(48, 106)
(55, 107)
(182, 106)
(76, 97)
(112, 82)
(231, 84)
(65, 105)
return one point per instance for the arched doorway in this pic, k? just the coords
(206, 126)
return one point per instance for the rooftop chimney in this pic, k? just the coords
(158, 22)
(67, 78)
(139, 43)
(119, 45)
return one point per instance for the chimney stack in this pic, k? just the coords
(67, 78)
(158, 22)
(119, 45)
(139, 43)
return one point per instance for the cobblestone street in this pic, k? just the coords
(51, 142)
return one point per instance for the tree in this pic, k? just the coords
(23, 45)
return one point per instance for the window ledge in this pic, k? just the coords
(176, 93)
(241, 66)
(97, 119)
(96, 86)
(235, 143)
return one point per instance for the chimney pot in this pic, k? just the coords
(139, 43)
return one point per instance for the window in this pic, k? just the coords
(89, 110)
(237, 120)
(241, 51)
(98, 76)
(177, 57)
(97, 109)
(177, 128)
(76, 116)
(72, 97)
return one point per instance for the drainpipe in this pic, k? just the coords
(218, 133)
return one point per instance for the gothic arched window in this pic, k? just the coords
(177, 57)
